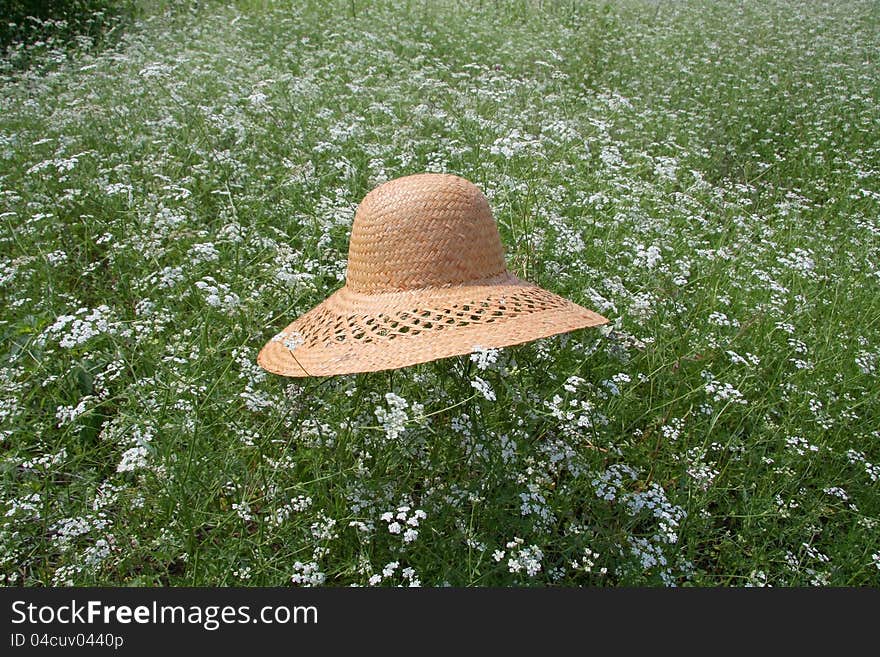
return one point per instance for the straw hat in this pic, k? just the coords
(426, 280)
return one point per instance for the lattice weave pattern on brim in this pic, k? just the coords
(351, 332)
(426, 280)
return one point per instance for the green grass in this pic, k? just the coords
(704, 175)
(33, 32)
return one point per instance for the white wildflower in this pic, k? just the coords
(394, 418)
(217, 294)
(307, 574)
(133, 459)
(484, 358)
(483, 388)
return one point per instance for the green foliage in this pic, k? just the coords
(56, 23)
(703, 174)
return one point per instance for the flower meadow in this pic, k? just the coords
(706, 175)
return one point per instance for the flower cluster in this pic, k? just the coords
(217, 294)
(520, 557)
(82, 326)
(484, 358)
(404, 522)
(307, 574)
(395, 418)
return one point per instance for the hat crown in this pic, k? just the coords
(426, 230)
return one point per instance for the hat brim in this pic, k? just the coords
(349, 332)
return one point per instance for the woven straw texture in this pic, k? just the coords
(426, 280)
